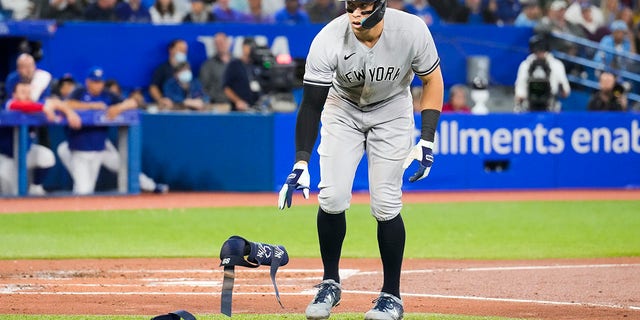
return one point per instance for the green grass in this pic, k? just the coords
(491, 230)
(512, 230)
(340, 316)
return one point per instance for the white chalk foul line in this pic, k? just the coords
(508, 268)
(18, 289)
(311, 293)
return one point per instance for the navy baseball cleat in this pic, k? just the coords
(387, 307)
(328, 296)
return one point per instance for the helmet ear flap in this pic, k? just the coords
(376, 16)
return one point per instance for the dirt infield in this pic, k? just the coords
(546, 289)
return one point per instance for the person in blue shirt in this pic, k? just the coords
(292, 13)
(424, 10)
(619, 41)
(223, 12)
(184, 90)
(133, 11)
(87, 149)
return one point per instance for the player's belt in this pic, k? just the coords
(368, 106)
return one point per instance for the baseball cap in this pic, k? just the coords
(585, 5)
(618, 25)
(558, 5)
(96, 74)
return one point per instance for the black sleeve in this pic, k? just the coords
(429, 119)
(308, 121)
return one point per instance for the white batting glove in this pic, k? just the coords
(423, 152)
(297, 179)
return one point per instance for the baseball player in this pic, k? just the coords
(357, 82)
(38, 156)
(89, 148)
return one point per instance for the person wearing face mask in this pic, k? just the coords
(184, 90)
(177, 50)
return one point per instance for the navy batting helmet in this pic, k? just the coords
(379, 7)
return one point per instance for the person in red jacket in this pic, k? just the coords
(38, 156)
(457, 100)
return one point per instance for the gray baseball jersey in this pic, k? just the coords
(369, 107)
(368, 76)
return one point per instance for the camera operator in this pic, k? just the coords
(610, 97)
(541, 79)
(241, 80)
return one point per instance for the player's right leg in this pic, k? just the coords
(341, 149)
(83, 166)
(85, 170)
(39, 160)
(327, 297)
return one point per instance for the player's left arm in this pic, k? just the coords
(430, 106)
(116, 109)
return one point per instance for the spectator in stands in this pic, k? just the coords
(239, 80)
(184, 91)
(212, 70)
(610, 10)
(101, 10)
(445, 9)
(587, 16)
(554, 21)
(424, 10)
(88, 149)
(541, 79)
(322, 11)
(611, 96)
(132, 11)
(165, 12)
(177, 50)
(270, 7)
(457, 101)
(530, 15)
(626, 15)
(198, 13)
(291, 14)
(21, 9)
(474, 12)
(27, 71)
(636, 37)
(39, 157)
(256, 13)
(64, 86)
(62, 10)
(224, 13)
(507, 11)
(619, 41)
